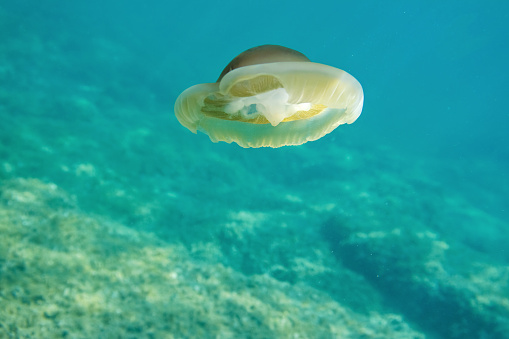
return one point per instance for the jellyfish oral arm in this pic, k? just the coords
(273, 105)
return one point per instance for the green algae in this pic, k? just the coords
(66, 273)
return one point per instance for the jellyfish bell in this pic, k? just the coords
(271, 96)
(262, 55)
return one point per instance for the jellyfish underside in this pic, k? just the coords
(260, 100)
(271, 100)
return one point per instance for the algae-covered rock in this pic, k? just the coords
(68, 274)
(428, 280)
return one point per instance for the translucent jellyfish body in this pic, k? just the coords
(271, 96)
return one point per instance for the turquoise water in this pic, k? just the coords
(117, 222)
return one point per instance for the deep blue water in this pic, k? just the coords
(435, 79)
(434, 74)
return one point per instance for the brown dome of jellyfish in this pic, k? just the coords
(271, 96)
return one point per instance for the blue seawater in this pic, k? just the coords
(117, 222)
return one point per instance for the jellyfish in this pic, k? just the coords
(271, 96)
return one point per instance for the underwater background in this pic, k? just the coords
(117, 222)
